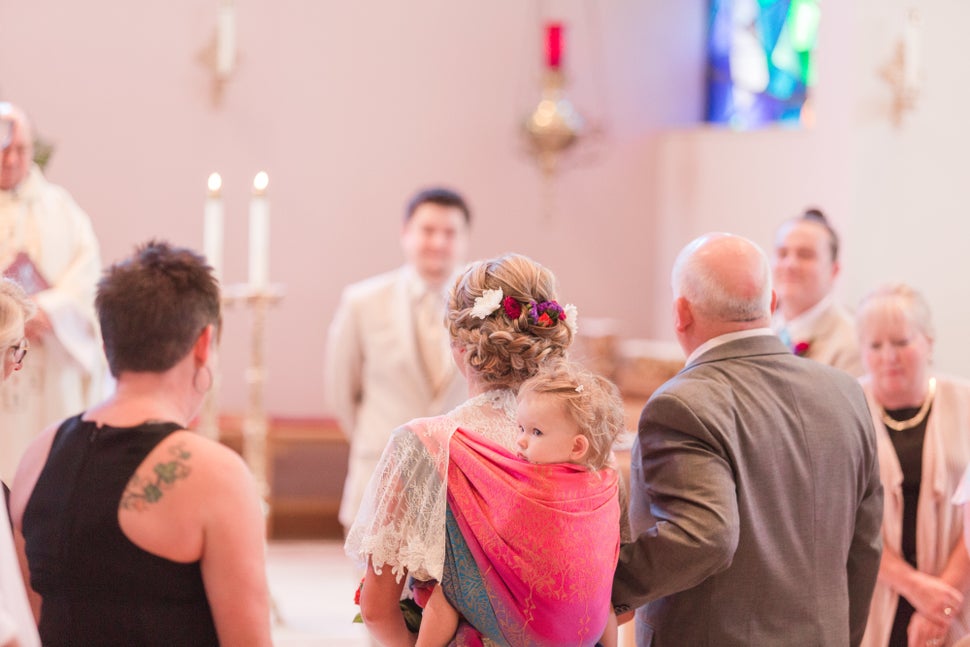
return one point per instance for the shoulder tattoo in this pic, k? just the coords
(141, 491)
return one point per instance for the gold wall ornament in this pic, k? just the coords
(555, 124)
(221, 54)
(902, 72)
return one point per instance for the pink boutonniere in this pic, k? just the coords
(801, 348)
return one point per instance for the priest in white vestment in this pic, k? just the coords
(50, 243)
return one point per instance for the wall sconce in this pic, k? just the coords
(221, 55)
(902, 72)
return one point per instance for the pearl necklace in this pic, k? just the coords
(903, 425)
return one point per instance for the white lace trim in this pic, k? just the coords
(401, 522)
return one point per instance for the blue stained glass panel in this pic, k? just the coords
(753, 40)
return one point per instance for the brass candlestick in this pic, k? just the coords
(255, 423)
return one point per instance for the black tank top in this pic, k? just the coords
(98, 587)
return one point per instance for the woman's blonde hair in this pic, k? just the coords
(15, 309)
(895, 299)
(592, 401)
(505, 351)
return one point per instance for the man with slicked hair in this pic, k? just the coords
(755, 497)
(809, 319)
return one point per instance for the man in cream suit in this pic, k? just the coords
(808, 319)
(755, 497)
(388, 356)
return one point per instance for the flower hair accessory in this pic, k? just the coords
(544, 314)
(572, 314)
(488, 303)
(513, 309)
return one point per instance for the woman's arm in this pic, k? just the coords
(28, 471)
(380, 608)
(234, 553)
(33, 598)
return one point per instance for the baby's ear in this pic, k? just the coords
(580, 448)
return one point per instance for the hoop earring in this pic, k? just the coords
(209, 380)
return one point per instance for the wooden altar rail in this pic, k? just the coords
(306, 466)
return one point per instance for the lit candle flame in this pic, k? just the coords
(215, 184)
(260, 182)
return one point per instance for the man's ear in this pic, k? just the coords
(774, 302)
(683, 315)
(580, 448)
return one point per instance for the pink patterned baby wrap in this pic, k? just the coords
(540, 545)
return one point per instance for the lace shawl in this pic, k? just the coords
(401, 522)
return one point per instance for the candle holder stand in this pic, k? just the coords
(255, 423)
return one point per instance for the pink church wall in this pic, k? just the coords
(351, 106)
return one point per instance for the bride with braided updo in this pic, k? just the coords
(505, 323)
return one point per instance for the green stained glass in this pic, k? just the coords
(809, 68)
(802, 23)
(783, 56)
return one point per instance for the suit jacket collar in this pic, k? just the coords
(766, 344)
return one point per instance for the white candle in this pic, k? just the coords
(259, 233)
(213, 225)
(226, 39)
(911, 49)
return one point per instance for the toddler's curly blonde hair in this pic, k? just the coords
(592, 401)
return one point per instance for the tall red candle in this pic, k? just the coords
(554, 45)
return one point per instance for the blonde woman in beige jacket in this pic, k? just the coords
(922, 426)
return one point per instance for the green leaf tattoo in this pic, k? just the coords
(141, 491)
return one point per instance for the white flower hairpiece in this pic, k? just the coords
(488, 303)
(572, 313)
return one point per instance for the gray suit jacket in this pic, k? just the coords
(755, 504)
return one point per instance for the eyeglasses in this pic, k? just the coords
(20, 351)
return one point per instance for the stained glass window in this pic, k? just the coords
(761, 61)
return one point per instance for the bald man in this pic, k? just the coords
(755, 497)
(48, 245)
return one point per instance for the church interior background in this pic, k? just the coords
(349, 107)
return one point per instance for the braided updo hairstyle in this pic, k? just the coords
(504, 352)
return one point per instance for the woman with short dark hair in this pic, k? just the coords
(138, 531)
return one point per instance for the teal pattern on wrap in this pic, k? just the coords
(464, 587)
